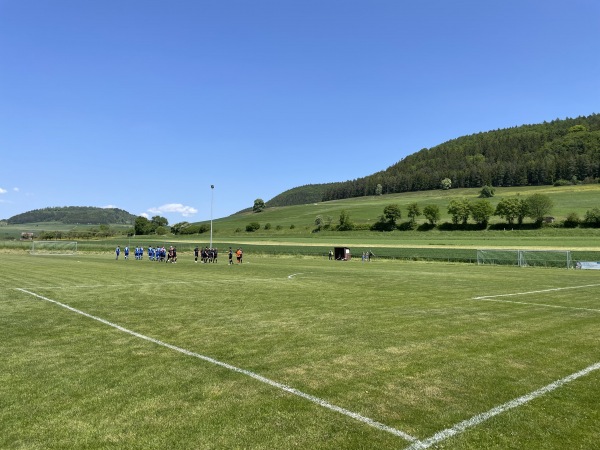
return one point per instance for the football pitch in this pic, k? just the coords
(296, 352)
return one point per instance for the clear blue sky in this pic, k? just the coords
(143, 104)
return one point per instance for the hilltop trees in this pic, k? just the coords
(259, 205)
(537, 154)
(74, 215)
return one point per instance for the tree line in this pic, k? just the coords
(74, 215)
(560, 151)
(513, 210)
(543, 154)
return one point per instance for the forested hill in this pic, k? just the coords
(541, 154)
(75, 214)
(310, 193)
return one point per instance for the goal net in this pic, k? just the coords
(524, 258)
(53, 248)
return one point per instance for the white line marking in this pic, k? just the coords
(535, 292)
(120, 285)
(275, 384)
(535, 304)
(476, 420)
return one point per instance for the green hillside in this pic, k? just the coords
(563, 150)
(309, 193)
(299, 220)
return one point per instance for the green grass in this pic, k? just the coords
(403, 343)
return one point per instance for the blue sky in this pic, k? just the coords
(143, 104)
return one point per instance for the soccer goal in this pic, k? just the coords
(525, 258)
(53, 248)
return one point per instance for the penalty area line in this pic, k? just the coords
(543, 305)
(480, 418)
(272, 383)
(485, 297)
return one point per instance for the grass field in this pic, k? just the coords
(296, 352)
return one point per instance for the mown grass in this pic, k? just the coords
(402, 343)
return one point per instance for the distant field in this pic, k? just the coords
(296, 352)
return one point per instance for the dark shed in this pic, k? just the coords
(342, 253)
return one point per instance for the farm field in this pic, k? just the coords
(296, 352)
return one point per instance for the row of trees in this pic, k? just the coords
(156, 225)
(512, 210)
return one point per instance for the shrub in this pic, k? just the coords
(267, 226)
(446, 184)
(572, 221)
(487, 192)
(252, 226)
(345, 222)
(592, 217)
(195, 229)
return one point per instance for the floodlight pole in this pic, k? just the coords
(212, 189)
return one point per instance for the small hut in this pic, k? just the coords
(342, 253)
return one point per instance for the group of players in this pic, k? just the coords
(206, 255)
(161, 254)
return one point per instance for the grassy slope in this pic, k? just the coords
(566, 199)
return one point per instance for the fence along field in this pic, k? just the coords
(386, 354)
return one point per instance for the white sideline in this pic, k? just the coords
(476, 420)
(283, 387)
(483, 297)
(535, 304)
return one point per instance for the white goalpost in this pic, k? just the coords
(53, 248)
(525, 258)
